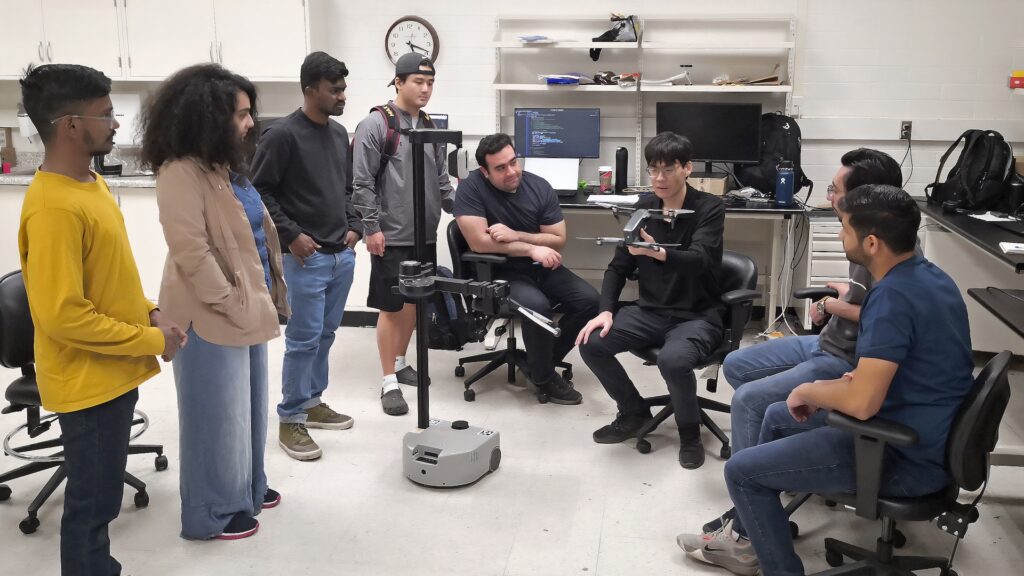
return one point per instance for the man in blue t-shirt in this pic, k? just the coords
(913, 366)
(502, 210)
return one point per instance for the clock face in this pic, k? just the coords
(411, 34)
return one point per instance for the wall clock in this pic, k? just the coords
(411, 34)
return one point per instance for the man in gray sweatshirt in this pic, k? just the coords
(383, 199)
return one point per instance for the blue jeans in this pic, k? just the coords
(317, 293)
(766, 373)
(222, 420)
(798, 457)
(95, 453)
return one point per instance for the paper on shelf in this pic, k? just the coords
(992, 217)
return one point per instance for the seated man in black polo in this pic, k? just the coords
(502, 210)
(679, 307)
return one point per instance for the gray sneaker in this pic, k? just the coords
(295, 441)
(393, 402)
(321, 416)
(407, 376)
(723, 548)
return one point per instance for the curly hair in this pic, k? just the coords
(192, 113)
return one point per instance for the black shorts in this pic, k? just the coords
(384, 276)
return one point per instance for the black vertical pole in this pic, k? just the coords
(419, 210)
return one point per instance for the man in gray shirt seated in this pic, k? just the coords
(768, 372)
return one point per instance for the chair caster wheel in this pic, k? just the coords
(567, 374)
(899, 539)
(460, 371)
(29, 525)
(833, 558)
(161, 463)
(469, 395)
(643, 446)
(794, 529)
(5, 492)
(543, 398)
(141, 499)
(831, 503)
(725, 453)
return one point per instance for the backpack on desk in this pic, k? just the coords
(980, 178)
(780, 140)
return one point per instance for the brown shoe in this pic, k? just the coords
(295, 441)
(321, 416)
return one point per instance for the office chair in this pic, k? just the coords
(971, 439)
(16, 351)
(738, 277)
(467, 264)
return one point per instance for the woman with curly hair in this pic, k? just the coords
(223, 281)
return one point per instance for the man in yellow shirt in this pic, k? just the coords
(96, 335)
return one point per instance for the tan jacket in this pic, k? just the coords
(213, 279)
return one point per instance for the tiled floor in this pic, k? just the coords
(558, 505)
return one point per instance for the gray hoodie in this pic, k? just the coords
(386, 205)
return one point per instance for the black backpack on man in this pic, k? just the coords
(980, 178)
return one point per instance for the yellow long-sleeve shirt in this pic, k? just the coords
(93, 340)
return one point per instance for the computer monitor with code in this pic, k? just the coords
(558, 132)
(719, 132)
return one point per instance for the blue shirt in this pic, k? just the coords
(916, 318)
(253, 205)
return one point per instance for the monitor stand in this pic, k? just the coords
(708, 172)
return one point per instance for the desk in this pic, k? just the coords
(583, 219)
(984, 235)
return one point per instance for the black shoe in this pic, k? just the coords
(560, 391)
(691, 454)
(716, 524)
(271, 498)
(624, 427)
(241, 526)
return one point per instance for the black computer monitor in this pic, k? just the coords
(440, 120)
(719, 132)
(558, 132)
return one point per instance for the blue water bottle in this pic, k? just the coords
(784, 184)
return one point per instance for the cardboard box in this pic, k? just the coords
(7, 153)
(716, 186)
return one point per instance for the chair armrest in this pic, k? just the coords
(816, 293)
(737, 296)
(493, 259)
(869, 440)
(875, 428)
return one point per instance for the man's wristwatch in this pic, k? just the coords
(820, 304)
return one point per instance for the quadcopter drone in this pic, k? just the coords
(637, 219)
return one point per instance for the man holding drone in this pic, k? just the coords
(677, 267)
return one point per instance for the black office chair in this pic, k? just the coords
(16, 351)
(467, 264)
(738, 277)
(971, 439)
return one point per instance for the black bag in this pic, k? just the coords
(624, 29)
(780, 140)
(450, 326)
(981, 177)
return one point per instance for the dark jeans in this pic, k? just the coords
(800, 457)
(684, 343)
(95, 455)
(541, 289)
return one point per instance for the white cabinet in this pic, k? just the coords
(246, 45)
(83, 32)
(164, 37)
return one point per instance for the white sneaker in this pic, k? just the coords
(723, 548)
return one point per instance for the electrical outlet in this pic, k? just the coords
(905, 127)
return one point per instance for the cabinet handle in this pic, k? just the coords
(39, 50)
(220, 52)
(211, 53)
(49, 51)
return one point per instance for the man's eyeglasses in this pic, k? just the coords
(655, 172)
(830, 192)
(110, 120)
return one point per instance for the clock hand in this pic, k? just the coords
(415, 47)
